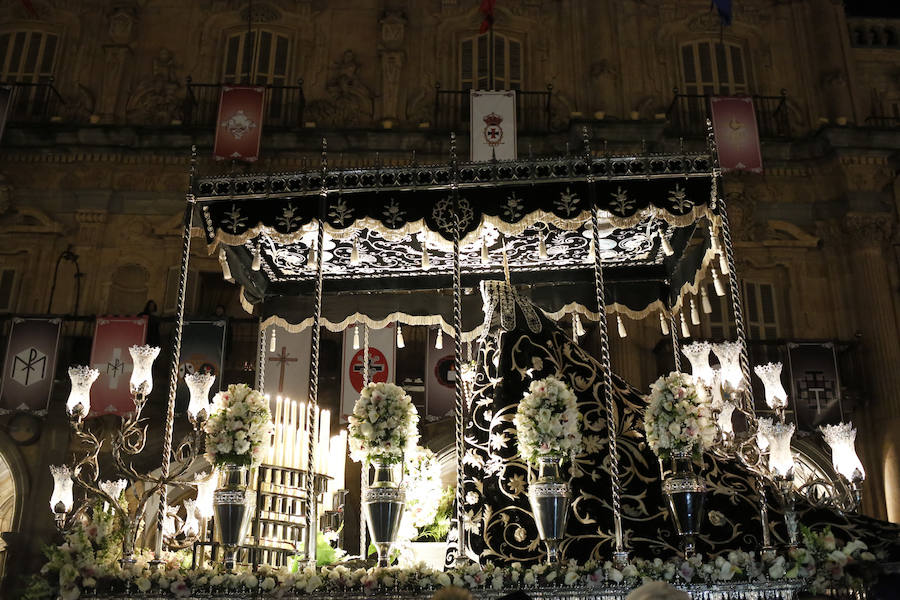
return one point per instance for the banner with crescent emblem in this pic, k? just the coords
(493, 128)
(737, 135)
(113, 336)
(30, 365)
(239, 125)
(382, 360)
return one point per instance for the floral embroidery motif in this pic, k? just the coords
(512, 208)
(678, 198)
(393, 216)
(288, 218)
(234, 220)
(623, 203)
(443, 214)
(340, 213)
(568, 201)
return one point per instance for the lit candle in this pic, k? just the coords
(300, 435)
(304, 446)
(324, 437)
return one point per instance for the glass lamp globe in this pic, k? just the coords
(114, 488)
(61, 500)
(724, 419)
(191, 526)
(205, 491)
(842, 438)
(79, 401)
(729, 355)
(770, 374)
(698, 354)
(781, 460)
(763, 430)
(142, 358)
(199, 385)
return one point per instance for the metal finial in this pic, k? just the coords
(453, 146)
(586, 140)
(324, 156)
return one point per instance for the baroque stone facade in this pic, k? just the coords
(102, 169)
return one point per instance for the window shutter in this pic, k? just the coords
(713, 67)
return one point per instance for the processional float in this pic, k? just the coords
(589, 236)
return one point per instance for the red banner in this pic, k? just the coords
(112, 338)
(737, 136)
(239, 126)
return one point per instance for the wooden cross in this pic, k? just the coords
(283, 359)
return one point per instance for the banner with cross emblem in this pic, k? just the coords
(814, 385)
(493, 131)
(382, 360)
(202, 350)
(287, 365)
(112, 338)
(30, 365)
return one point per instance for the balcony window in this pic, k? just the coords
(27, 56)
(475, 60)
(760, 313)
(260, 57)
(714, 68)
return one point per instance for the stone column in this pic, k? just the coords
(393, 34)
(873, 295)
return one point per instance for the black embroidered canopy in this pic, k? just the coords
(390, 230)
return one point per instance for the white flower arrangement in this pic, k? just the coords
(239, 429)
(678, 417)
(548, 422)
(383, 424)
(423, 487)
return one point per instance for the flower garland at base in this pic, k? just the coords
(821, 564)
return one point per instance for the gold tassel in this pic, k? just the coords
(717, 284)
(311, 256)
(714, 240)
(621, 326)
(542, 247)
(400, 342)
(354, 253)
(704, 301)
(579, 328)
(695, 314)
(723, 264)
(272, 340)
(226, 268)
(439, 340)
(485, 255)
(426, 260)
(665, 244)
(685, 331)
(255, 265)
(356, 337)
(663, 324)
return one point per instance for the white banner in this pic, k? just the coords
(287, 368)
(440, 376)
(382, 361)
(493, 128)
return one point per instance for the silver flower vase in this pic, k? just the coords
(232, 506)
(549, 496)
(686, 494)
(383, 501)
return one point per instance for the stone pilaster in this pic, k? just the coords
(872, 297)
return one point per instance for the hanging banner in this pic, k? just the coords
(440, 376)
(112, 338)
(815, 388)
(737, 135)
(493, 128)
(30, 365)
(203, 351)
(287, 368)
(239, 126)
(382, 360)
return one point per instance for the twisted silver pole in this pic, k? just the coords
(676, 345)
(363, 479)
(311, 411)
(461, 556)
(188, 222)
(620, 554)
(261, 359)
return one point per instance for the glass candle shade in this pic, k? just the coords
(724, 419)
(142, 358)
(842, 438)
(781, 460)
(199, 385)
(729, 355)
(205, 491)
(763, 430)
(79, 401)
(114, 488)
(770, 374)
(61, 500)
(191, 526)
(698, 354)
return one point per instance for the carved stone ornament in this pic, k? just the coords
(868, 228)
(350, 101)
(158, 98)
(121, 24)
(393, 29)
(262, 13)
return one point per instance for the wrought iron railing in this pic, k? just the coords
(687, 115)
(35, 102)
(451, 110)
(883, 122)
(283, 109)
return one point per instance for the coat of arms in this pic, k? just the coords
(238, 124)
(493, 133)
